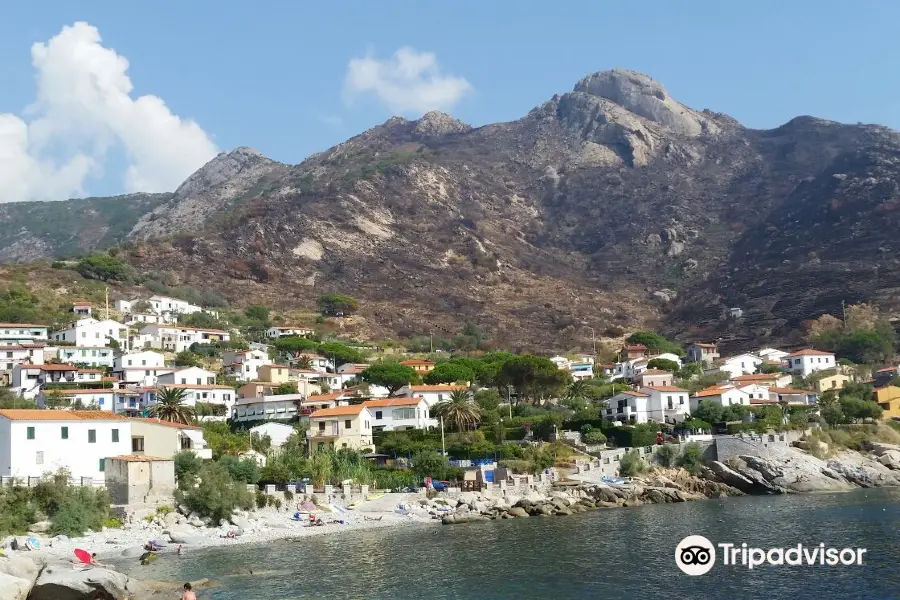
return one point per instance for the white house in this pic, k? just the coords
(431, 393)
(629, 369)
(277, 432)
(20, 334)
(807, 362)
(102, 398)
(244, 365)
(792, 396)
(27, 380)
(765, 379)
(755, 391)
(740, 364)
(187, 376)
(91, 332)
(703, 352)
(143, 376)
(318, 363)
(771, 354)
(628, 407)
(27, 354)
(177, 338)
(94, 356)
(561, 362)
(146, 358)
(164, 439)
(398, 414)
(667, 404)
(164, 304)
(34, 442)
(214, 395)
(288, 331)
(273, 407)
(721, 395)
(147, 319)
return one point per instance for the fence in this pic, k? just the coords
(33, 481)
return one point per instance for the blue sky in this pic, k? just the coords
(271, 75)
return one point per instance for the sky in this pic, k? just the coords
(108, 97)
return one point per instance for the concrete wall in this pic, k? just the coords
(140, 482)
(755, 445)
(159, 440)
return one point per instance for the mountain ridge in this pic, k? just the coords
(610, 207)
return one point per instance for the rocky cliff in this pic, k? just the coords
(611, 206)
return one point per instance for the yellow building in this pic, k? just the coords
(340, 427)
(275, 374)
(832, 382)
(419, 366)
(888, 398)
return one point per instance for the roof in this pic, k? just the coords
(57, 367)
(713, 391)
(275, 367)
(23, 347)
(188, 386)
(777, 390)
(635, 347)
(37, 414)
(184, 328)
(416, 361)
(809, 352)
(665, 388)
(78, 392)
(884, 370)
(338, 411)
(386, 402)
(437, 388)
(138, 458)
(706, 344)
(353, 371)
(7, 325)
(81, 304)
(635, 394)
(164, 423)
(655, 372)
(757, 377)
(324, 397)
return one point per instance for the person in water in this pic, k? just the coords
(180, 549)
(188, 593)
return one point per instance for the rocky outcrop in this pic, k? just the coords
(17, 577)
(60, 582)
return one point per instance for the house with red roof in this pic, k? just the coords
(808, 361)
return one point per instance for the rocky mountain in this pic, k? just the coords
(612, 206)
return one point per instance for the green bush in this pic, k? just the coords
(187, 466)
(163, 510)
(666, 455)
(430, 464)
(82, 509)
(217, 495)
(16, 510)
(288, 495)
(260, 499)
(243, 470)
(631, 464)
(691, 457)
(594, 437)
(112, 523)
(516, 466)
(633, 437)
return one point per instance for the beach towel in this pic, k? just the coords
(32, 543)
(308, 506)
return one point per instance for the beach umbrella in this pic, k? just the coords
(32, 543)
(83, 555)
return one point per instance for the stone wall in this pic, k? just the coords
(755, 445)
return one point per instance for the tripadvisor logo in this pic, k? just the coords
(696, 555)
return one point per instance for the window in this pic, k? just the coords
(377, 415)
(321, 426)
(92, 436)
(115, 435)
(100, 401)
(404, 413)
(368, 425)
(129, 362)
(183, 381)
(29, 433)
(9, 355)
(64, 433)
(102, 465)
(348, 424)
(143, 363)
(39, 457)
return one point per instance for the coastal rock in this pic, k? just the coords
(177, 536)
(14, 588)
(60, 582)
(518, 511)
(863, 471)
(241, 522)
(749, 483)
(40, 527)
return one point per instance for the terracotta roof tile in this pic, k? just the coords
(664, 388)
(338, 411)
(386, 402)
(37, 414)
(437, 388)
(164, 423)
(809, 352)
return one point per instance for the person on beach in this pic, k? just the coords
(95, 562)
(188, 593)
(180, 549)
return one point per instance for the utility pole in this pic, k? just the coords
(107, 304)
(594, 342)
(443, 445)
(431, 343)
(843, 313)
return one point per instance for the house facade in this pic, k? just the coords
(667, 404)
(340, 427)
(277, 407)
(721, 395)
(187, 376)
(807, 362)
(655, 378)
(431, 393)
(175, 338)
(288, 331)
(399, 414)
(628, 407)
(703, 352)
(245, 365)
(91, 332)
(34, 442)
(831, 383)
(888, 398)
(742, 364)
(792, 396)
(163, 439)
(419, 366)
(12, 356)
(17, 334)
(94, 356)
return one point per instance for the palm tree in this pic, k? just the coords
(170, 406)
(459, 410)
(578, 391)
(305, 363)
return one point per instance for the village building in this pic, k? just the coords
(91, 332)
(340, 427)
(419, 366)
(628, 407)
(244, 365)
(722, 395)
(791, 396)
(278, 433)
(654, 378)
(742, 364)
(432, 394)
(703, 352)
(82, 309)
(633, 351)
(21, 334)
(667, 404)
(399, 414)
(13, 356)
(165, 439)
(807, 362)
(765, 379)
(888, 398)
(137, 480)
(178, 338)
(832, 383)
(34, 442)
(279, 407)
(94, 356)
(288, 331)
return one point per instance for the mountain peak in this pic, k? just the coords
(641, 95)
(437, 123)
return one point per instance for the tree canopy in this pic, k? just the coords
(335, 305)
(392, 376)
(654, 341)
(104, 268)
(449, 372)
(663, 363)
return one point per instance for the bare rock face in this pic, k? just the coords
(643, 96)
(436, 123)
(60, 582)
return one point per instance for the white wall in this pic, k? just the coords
(81, 458)
(91, 355)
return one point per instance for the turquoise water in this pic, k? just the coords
(610, 554)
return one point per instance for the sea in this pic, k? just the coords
(626, 553)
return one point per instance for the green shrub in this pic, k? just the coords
(277, 503)
(16, 510)
(430, 464)
(82, 509)
(260, 499)
(631, 464)
(187, 466)
(163, 510)
(149, 518)
(516, 466)
(270, 501)
(112, 523)
(594, 437)
(691, 457)
(666, 455)
(288, 495)
(217, 495)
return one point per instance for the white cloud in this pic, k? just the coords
(83, 110)
(408, 82)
